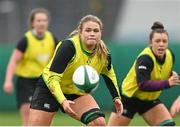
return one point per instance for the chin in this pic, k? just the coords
(160, 55)
(41, 31)
(91, 43)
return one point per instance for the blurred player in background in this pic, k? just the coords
(150, 74)
(55, 89)
(31, 55)
(175, 108)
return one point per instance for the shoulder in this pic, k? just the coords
(68, 43)
(23, 39)
(144, 60)
(172, 54)
(66, 46)
(22, 44)
(28, 33)
(49, 33)
(144, 57)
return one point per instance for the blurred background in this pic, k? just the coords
(126, 31)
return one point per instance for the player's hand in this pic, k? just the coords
(174, 79)
(175, 74)
(119, 106)
(175, 108)
(8, 87)
(67, 107)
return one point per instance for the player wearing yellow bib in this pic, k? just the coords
(150, 74)
(32, 53)
(55, 88)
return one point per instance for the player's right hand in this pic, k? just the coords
(67, 107)
(8, 87)
(119, 106)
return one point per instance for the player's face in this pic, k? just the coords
(40, 23)
(90, 34)
(159, 44)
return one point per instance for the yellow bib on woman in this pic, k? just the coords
(37, 55)
(81, 57)
(160, 72)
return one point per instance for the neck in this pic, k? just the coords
(38, 35)
(89, 47)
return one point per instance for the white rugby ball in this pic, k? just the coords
(86, 78)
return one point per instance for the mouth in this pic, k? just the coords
(161, 50)
(42, 27)
(92, 39)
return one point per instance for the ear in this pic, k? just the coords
(150, 43)
(80, 34)
(32, 24)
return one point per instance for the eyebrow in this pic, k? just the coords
(91, 28)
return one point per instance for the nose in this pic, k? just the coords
(161, 43)
(92, 33)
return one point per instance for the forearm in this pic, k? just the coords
(54, 86)
(150, 85)
(112, 87)
(11, 69)
(10, 72)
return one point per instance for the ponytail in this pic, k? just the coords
(101, 49)
(75, 32)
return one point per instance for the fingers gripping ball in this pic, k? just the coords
(86, 78)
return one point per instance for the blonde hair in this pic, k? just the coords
(34, 12)
(101, 48)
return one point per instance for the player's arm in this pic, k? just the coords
(64, 54)
(15, 57)
(111, 83)
(144, 66)
(110, 78)
(173, 56)
(174, 77)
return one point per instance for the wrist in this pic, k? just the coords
(116, 98)
(62, 101)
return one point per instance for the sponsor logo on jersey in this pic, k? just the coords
(142, 67)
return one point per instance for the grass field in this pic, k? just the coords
(13, 119)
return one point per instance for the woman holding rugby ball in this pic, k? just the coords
(55, 88)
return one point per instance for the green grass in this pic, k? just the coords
(13, 119)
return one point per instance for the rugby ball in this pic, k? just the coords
(86, 78)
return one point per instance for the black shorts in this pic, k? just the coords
(44, 100)
(133, 105)
(24, 90)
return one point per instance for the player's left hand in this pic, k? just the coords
(119, 106)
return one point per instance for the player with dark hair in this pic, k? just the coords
(150, 74)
